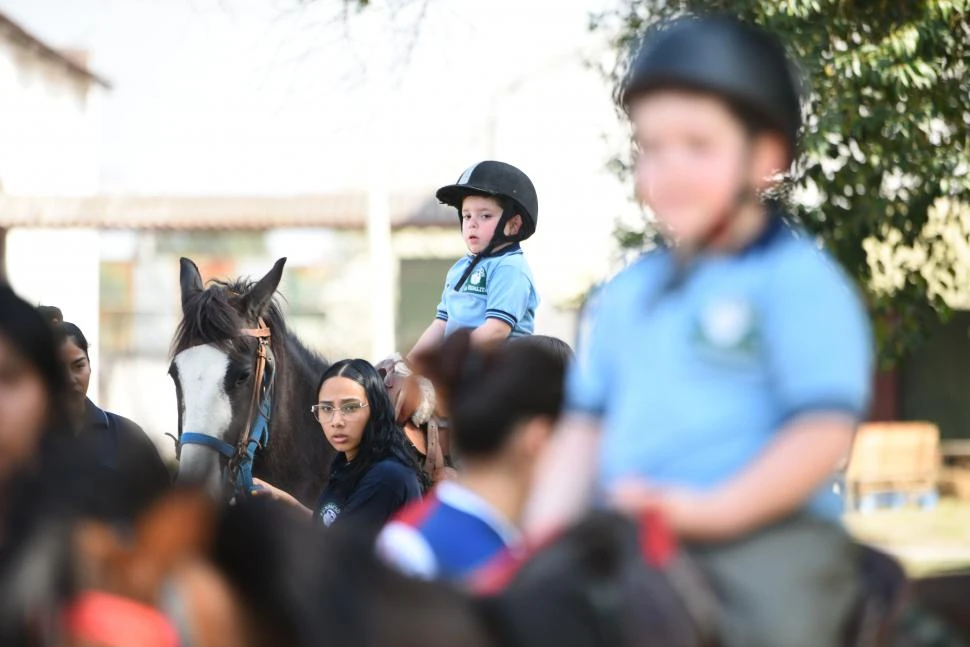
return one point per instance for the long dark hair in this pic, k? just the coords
(64, 330)
(488, 391)
(29, 334)
(39, 498)
(382, 437)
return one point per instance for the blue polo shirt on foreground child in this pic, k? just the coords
(724, 374)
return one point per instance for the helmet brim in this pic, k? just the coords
(454, 195)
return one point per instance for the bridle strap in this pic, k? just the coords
(262, 332)
(251, 434)
(221, 446)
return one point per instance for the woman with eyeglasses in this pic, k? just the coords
(375, 472)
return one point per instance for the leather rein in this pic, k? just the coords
(255, 435)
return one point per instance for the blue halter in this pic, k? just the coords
(239, 469)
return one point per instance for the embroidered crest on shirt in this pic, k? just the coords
(728, 326)
(477, 282)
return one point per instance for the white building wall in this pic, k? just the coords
(60, 267)
(50, 131)
(49, 146)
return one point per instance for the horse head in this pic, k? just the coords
(223, 366)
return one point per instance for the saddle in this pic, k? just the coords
(416, 410)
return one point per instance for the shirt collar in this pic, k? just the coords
(461, 498)
(94, 418)
(774, 227)
(511, 249)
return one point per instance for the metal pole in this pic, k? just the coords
(383, 265)
(383, 287)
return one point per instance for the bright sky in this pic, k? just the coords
(265, 97)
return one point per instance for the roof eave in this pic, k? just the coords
(46, 50)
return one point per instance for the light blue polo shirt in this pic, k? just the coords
(693, 380)
(500, 287)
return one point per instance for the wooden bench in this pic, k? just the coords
(897, 458)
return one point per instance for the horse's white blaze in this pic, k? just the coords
(206, 409)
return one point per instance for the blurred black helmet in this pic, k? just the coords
(740, 62)
(496, 179)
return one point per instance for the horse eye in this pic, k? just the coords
(243, 378)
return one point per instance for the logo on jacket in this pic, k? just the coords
(329, 514)
(477, 282)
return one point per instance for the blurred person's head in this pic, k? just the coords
(715, 110)
(502, 401)
(553, 345)
(497, 205)
(32, 381)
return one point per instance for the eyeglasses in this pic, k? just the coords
(326, 412)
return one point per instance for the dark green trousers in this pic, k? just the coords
(792, 584)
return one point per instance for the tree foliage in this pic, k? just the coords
(887, 131)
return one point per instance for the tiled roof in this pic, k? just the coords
(338, 210)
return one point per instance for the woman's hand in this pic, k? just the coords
(692, 514)
(264, 489)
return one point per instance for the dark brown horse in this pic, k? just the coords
(214, 364)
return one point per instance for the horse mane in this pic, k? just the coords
(211, 316)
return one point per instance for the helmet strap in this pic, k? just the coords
(684, 261)
(498, 238)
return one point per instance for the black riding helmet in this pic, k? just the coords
(510, 186)
(742, 63)
(500, 180)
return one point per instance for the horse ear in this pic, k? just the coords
(190, 279)
(262, 293)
